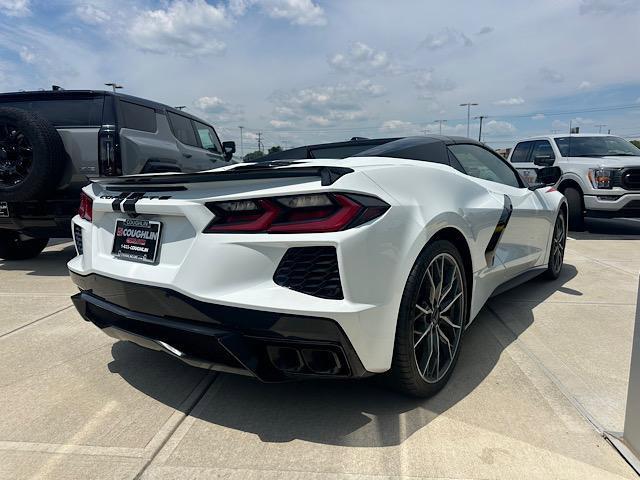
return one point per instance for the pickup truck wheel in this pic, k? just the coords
(32, 156)
(12, 247)
(576, 209)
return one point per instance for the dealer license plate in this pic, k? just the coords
(137, 240)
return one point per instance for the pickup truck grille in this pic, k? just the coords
(630, 178)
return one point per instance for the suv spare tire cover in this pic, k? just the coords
(32, 156)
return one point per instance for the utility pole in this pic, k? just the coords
(481, 117)
(440, 122)
(468, 105)
(241, 146)
(113, 85)
(259, 141)
(600, 127)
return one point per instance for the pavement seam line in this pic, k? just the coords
(574, 401)
(36, 320)
(185, 414)
(590, 259)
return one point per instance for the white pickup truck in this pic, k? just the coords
(600, 173)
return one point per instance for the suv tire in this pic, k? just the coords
(14, 248)
(32, 156)
(413, 370)
(576, 209)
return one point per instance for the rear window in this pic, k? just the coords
(183, 129)
(138, 117)
(339, 152)
(72, 112)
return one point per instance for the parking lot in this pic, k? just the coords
(542, 373)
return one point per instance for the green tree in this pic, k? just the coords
(250, 157)
(636, 143)
(276, 148)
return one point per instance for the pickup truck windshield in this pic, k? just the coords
(595, 146)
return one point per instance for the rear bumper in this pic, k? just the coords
(270, 346)
(46, 218)
(625, 206)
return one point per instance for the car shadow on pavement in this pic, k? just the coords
(605, 229)
(350, 413)
(51, 262)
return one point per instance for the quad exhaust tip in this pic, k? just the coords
(305, 360)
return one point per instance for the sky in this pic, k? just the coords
(313, 71)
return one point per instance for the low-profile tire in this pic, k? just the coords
(576, 208)
(32, 156)
(431, 321)
(14, 248)
(556, 250)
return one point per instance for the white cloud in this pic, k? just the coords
(599, 7)
(447, 37)
(551, 76)
(185, 27)
(510, 101)
(364, 59)
(324, 105)
(278, 124)
(392, 125)
(428, 82)
(27, 55)
(91, 14)
(538, 116)
(15, 8)
(559, 125)
(298, 12)
(584, 85)
(497, 127)
(211, 104)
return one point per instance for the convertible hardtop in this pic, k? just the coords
(430, 148)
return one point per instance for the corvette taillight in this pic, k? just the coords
(313, 213)
(85, 210)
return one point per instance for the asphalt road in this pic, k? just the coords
(543, 371)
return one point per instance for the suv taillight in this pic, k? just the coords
(109, 151)
(85, 210)
(311, 213)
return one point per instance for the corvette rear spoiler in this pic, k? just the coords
(327, 174)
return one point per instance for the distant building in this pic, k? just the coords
(504, 151)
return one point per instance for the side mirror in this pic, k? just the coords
(543, 160)
(547, 177)
(229, 149)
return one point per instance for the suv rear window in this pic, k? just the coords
(72, 112)
(183, 129)
(138, 117)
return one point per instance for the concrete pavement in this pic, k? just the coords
(542, 369)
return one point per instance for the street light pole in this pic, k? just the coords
(600, 127)
(481, 117)
(468, 105)
(440, 122)
(241, 146)
(113, 85)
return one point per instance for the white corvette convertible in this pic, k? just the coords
(341, 267)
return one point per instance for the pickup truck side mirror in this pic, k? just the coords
(547, 177)
(543, 160)
(229, 149)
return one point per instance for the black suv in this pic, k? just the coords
(53, 142)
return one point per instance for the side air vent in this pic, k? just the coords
(77, 237)
(310, 270)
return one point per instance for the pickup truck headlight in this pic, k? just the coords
(601, 178)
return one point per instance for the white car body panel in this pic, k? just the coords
(374, 259)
